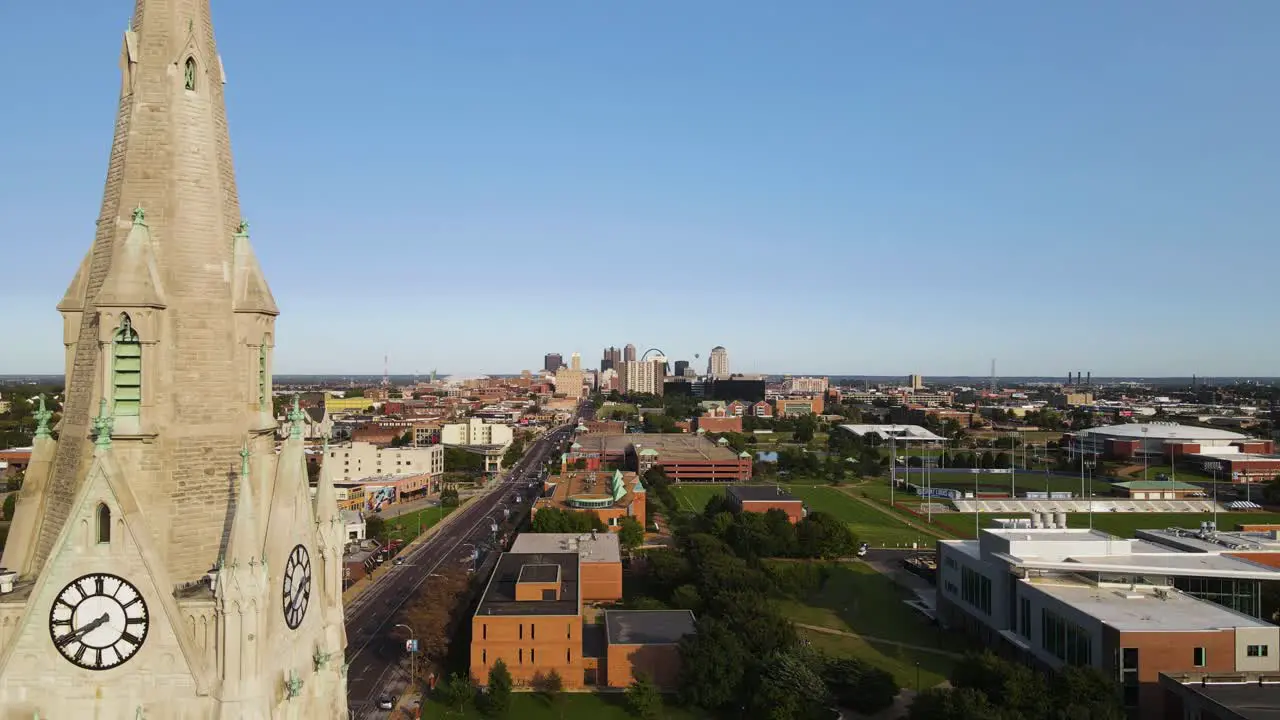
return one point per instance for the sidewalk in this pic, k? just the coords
(881, 641)
(360, 586)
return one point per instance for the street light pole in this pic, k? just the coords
(413, 641)
(893, 466)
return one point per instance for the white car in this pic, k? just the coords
(386, 702)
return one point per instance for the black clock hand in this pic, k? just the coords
(77, 634)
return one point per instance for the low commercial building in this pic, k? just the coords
(763, 498)
(599, 560)
(684, 457)
(608, 496)
(1204, 696)
(476, 432)
(645, 641)
(1131, 608)
(530, 617)
(715, 424)
(356, 460)
(338, 406)
(794, 406)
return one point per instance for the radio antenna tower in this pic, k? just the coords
(386, 370)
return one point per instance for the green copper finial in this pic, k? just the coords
(242, 230)
(139, 216)
(102, 425)
(42, 416)
(293, 685)
(244, 460)
(295, 420)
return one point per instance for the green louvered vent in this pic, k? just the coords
(126, 371)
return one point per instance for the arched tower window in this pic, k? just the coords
(262, 375)
(126, 371)
(104, 523)
(189, 73)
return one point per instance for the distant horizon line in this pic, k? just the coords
(979, 379)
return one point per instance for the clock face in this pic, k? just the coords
(98, 621)
(297, 586)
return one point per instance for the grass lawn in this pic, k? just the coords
(405, 527)
(860, 600)
(617, 409)
(574, 706)
(870, 525)
(1002, 482)
(695, 497)
(902, 662)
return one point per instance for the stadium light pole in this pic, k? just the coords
(1013, 472)
(1215, 496)
(893, 466)
(1145, 455)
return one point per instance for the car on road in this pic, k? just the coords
(386, 702)
(398, 561)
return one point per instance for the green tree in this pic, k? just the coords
(958, 704)
(555, 520)
(10, 502)
(869, 462)
(551, 685)
(630, 533)
(859, 686)
(449, 497)
(375, 526)
(498, 697)
(514, 452)
(713, 661)
(823, 535)
(786, 688)
(456, 691)
(687, 597)
(402, 440)
(643, 699)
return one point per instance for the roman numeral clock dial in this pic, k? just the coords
(297, 586)
(98, 621)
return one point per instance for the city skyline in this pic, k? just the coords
(1060, 188)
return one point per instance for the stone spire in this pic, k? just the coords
(170, 254)
(326, 494)
(245, 543)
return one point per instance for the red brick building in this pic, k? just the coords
(763, 498)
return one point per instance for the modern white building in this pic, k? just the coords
(901, 433)
(361, 459)
(801, 385)
(1131, 608)
(1151, 439)
(476, 432)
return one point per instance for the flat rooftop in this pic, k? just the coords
(1190, 540)
(647, 627)
(500, 594)
(539, 573)
(760, 493)
(1249, 700)
(603, 548)
(590, 485)
(671, 447)
(1144, 610)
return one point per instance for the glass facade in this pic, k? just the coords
(1064, 639)
(975, 589)
(1243, 596)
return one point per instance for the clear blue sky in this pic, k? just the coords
(827, 186)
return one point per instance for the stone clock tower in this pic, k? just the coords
(166, 560)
